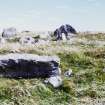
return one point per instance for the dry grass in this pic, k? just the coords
(81, 54)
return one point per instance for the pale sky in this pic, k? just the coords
(40, 15)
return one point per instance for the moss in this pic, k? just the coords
(69, 87)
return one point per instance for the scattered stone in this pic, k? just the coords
(9, 32)
(55, 81)
(68, 73)
(27, 40)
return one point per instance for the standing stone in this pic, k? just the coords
(64, 29)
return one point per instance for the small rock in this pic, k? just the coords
(46, 81)
(68, 73)
(27, 40)
(55, 81)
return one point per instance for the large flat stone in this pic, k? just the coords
(28, 66)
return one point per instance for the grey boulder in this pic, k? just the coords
(9, 32)
(27, 40)
(29, 66)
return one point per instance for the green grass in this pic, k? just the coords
(86, 84)
(97, 36)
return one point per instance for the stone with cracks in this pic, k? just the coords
(29, 66)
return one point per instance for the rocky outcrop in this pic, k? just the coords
(67, 30)
(28, 66)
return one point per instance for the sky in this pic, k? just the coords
(43, 15)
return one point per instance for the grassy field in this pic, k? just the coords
(84, 54)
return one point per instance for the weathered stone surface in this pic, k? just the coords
(9, 32)
(27, 40)
(28, 66)
(64, 29)
(55, 81)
